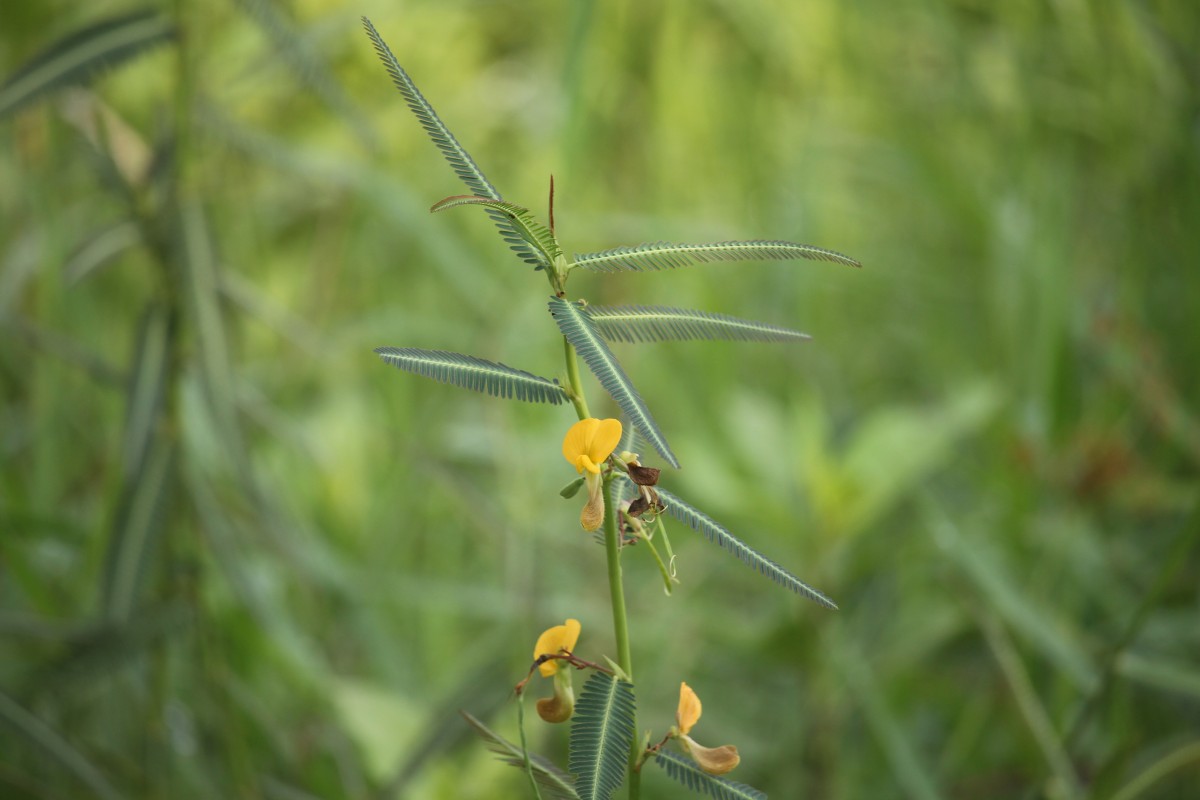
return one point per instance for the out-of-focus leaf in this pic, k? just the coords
(147, 387)
(77, 58)
(553, 782)
(984, 568)
(912, 776)
(140, 522)
(890, 453)
(305, 64)
(41, 736)
(100, 249)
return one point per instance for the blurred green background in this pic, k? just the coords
(241, 557)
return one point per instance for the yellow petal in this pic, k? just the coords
(576, 442)
(605, 438)
(553, 640)
(713, 760)
(689, 708)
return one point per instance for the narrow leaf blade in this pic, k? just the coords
(554, 783)
(654, 256)
(661, 323)
(80, 56)
(690, 775)
(457, 156)
(601, 734)
(699, 521)
(476, 374)
(575, 325)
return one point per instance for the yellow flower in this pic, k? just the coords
(589, 442)
(713, 760)
(586, 446)
(552, 641)
(689, 710)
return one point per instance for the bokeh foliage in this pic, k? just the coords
(240, 557)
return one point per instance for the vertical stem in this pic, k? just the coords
(581, 407)
(616, 588)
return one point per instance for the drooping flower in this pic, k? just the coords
(559, 639)
(713, 760)
(587, 445)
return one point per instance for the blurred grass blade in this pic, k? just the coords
(476, 374)
(659, 324)
(198, 263)
(457, 156)
(140, 521)
(1031, 707)
(306, 65)
(77, 58)
(602, 732)
(100, 249)
(1052, 635)
(913, 777)
(656, 256)
(698, 521)
(45, 738)
(1183, 756)
(686, 771)
(147, 389)
(578, 329)
(552, 781)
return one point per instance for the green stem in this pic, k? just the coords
(620, 625)
(616, 588)
(581, 407)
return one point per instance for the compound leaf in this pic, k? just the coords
(601, 734)
(460, 160)
(666, 255)
(660, 323)
(469, 372)
(699, 521)
(575, 325)
(690, 775)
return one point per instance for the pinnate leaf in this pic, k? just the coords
(601, 734)
(655, 256)
(575, 325)
(477, 374)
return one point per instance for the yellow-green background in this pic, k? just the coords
(988, 454)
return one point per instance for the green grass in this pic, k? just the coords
(988, 454)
